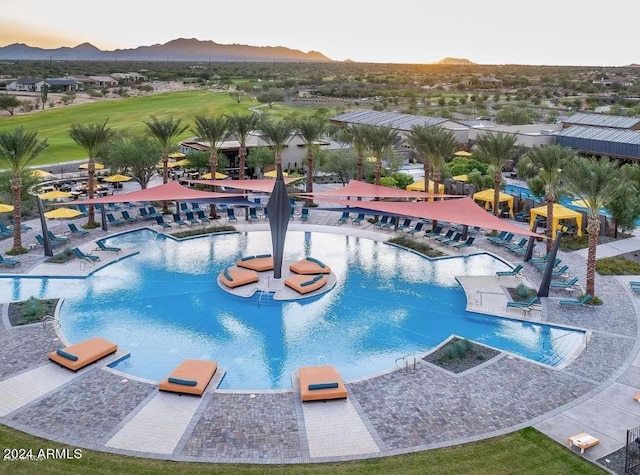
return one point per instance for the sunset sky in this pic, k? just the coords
(546, 32)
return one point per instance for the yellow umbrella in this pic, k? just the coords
(461, 178)
(371, 159)
(274, 174)
(178, 163)
(219, 176)
(176, 155)
(462, 153)
(5, 208)
(582, 204)
(55, 194)
(62, 213)
(41, 174)
(85, 166)
(117, 178)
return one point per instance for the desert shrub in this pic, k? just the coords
(617, 265)
(31, 308)
(420, 247)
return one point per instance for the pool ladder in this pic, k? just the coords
(404, 363)
(52, 320)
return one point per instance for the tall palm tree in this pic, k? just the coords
(17, 150)
(354, 135)
(240, 126)
(549, 161)
(496, 149)
(213, 131)
(165, 132)
(596, 181)
(277, 135)
(311, 130)
(93, 138)
(435, 144)
(380, 142)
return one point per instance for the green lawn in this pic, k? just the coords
(523, 452)
(128, 113)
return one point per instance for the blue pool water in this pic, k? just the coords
(163, 305)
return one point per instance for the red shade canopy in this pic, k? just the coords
(360, 189)
(461, 211)
(265, 186)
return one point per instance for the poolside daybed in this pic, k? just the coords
(319, 383)
(303, 284)
(260, 263)
(190, 377)
(310, 266)
(583, 441)
(79, 355)
(236, 277)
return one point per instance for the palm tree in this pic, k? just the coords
(435, 144)
(496, 149)
(596, 181)
(549, 161)
(380, 142)
(277, 135)
(165, 132)
(311, 130)
(354, 135)
(93, 138)
(240, 126)
(17, 150)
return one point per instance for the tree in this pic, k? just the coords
(237, 96)
(342, 163)
(355, 136)
(136, 155)
(165, 132)
(596, 182)
(240, 126)
(271, 96)
(93, 138)
(213, 131)
(624, 208)
(17, 150)
(516, 116)
(380, 142)
(9, 103)
(548, 161)
(311, 130)
(435, 144)
(259, 157)
(277, 135)
(496, 149)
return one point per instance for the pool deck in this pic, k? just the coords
(398, 411)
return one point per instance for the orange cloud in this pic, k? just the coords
(19, 33)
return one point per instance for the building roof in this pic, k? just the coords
(601, 120)
(602, 134)
(393, 120)
(61, 82)
(28, 80)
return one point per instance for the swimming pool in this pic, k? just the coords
(163, 305)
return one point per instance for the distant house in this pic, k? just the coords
(130, 77)
(59, 85)
(94, 81)
(24, 84)
(602, 120)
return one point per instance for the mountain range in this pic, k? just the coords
(181, 49)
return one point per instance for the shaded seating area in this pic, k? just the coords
(233, 278)
(79, 355)
(260, 262)
(486, 196)
(344, 217)
(358, 219)
(560, 213)
(190, 377)
(320, 383)
(304, 283)
(405, 226)
(467, 243)
(113, 220)
(160, 221)
(178, 220)
(309, 266)
(416, 229)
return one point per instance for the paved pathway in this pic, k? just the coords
(390, 413)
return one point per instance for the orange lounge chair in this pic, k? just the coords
(191, 377)
(583, 441)
(304, 284)
(260, 263)
(310, 266)
(236, 277)
(319, 383)
(79, 355)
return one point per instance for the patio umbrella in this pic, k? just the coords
(461, 178)
(117, 178)
(462, 153)
(274, 174)
(54, 195)
(62, 213)
(5, 208)
(219, 176)
(176, 155)
(41, 174)
(85, 166)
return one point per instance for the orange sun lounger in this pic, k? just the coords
(319, 383)
(260, 263)
(237, 277)
(310, 266)
(191, 377)
(304, 284)
(583, 441)
(79, 355)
